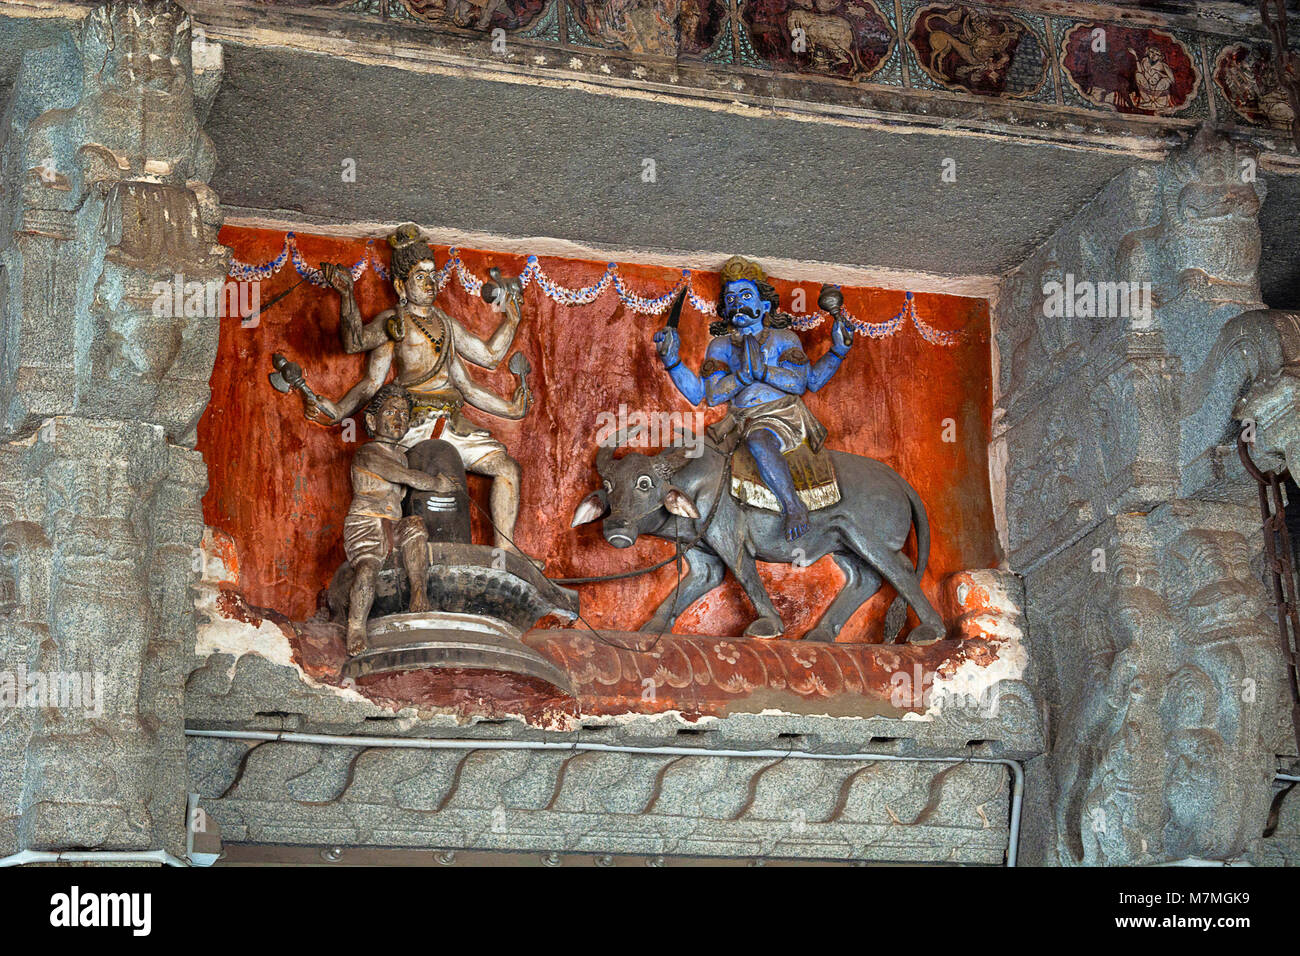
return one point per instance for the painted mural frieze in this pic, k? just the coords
(652, 27)
(845, 38)
(1247, 78)
(977, 51)
(477, 14)
(1131, 70)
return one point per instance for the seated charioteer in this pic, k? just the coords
(757, 365)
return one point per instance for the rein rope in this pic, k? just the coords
(723, 479)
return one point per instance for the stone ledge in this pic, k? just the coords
(600, 802)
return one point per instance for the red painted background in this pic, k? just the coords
(279, 485)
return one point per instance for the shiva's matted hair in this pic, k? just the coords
(408, 249)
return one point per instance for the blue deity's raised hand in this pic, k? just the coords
(841, 336)
(667, 341)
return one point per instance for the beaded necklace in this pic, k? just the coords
(436, 340)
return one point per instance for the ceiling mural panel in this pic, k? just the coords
(1246, 79)
(476, 14)
(1056, 69)
(973, 50)
(1130, 70)
(846, 38)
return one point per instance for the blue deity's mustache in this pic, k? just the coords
(742, 310)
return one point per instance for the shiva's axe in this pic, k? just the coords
(288, 377)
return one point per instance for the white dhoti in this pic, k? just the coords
(472, 447)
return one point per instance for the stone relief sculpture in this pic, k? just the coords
(1162, 749)
(415, 592)
(105, 168)
(427, 350)
(764, 487)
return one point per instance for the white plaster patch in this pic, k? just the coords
(218, 634)
(206, 55)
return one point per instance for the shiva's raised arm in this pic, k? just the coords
(488, 353)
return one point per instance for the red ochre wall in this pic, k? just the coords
(278, 485)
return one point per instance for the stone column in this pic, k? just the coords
(110, 269)
(1131, 520)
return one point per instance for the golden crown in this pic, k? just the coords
(738, 267)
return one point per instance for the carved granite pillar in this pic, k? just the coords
(102, 382)
(1129, 516)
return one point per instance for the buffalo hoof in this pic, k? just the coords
(765, 629)
(924, 634)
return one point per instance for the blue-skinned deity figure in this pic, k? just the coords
(756, 365)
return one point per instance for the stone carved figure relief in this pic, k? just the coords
(1189, 242)
(765, 488)
(1217, 700)
(110, 169)
(125, 169)
(977, 51)
(1165, 756)
(1205, 245)
(1107, 798)
(1171, 760)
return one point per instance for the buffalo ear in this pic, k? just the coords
(677, 502)
(595, 505)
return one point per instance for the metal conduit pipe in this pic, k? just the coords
(428, 743)
(24, 857)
